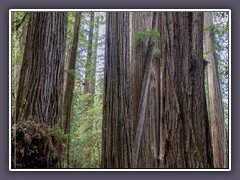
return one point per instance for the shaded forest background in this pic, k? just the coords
(89, 121)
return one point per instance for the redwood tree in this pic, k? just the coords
(41, 79)
(154, 113)
(144, 79)
(39, 97)
(117, 124)
(184, 126)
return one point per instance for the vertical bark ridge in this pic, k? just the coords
(41, 78)
(184, 142)
(116, 149)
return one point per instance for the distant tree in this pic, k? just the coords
(89, 63)
(70, 82)
(215, 97)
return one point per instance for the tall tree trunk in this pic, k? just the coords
(89, 63)
(40, 91)
(20, 40)
(142, 105)
(69, 44)
(68, 97)
(183, 123)
(92, 84)
(41, 78)
(215, 97)
(90, 77)
(94, 57)
(116, 128)
(149, 143)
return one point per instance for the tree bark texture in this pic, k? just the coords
(184, 126)
(144, 107)
(68, 97)
(215, 97)
(173, 129)
(116, 128)
(41, 78)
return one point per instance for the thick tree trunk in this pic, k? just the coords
(173, 129)
(68, 97)
(148, 150)
(40, 91)
(184, 138)
(41, 79)
(145, 86)
(116, 128)
(215, 97)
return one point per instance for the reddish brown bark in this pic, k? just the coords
(41, 79)
(183, 123)
(116, 131)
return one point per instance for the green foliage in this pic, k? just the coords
(209, 28)
(143, 35)
(86, 134)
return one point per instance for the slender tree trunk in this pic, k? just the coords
(90, 76)
(94, 57)
(68, 97)
(215, 98)
(20, 40)
(116, 128)
(89, 63)
(41, 79)
(92, 83)
(69, 41)
(184, 138)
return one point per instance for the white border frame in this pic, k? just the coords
(132, 10)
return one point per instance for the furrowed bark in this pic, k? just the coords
(144, 94)
(41, 77)
(184, 141)
(116, 128)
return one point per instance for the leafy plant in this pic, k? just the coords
(143, 35)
